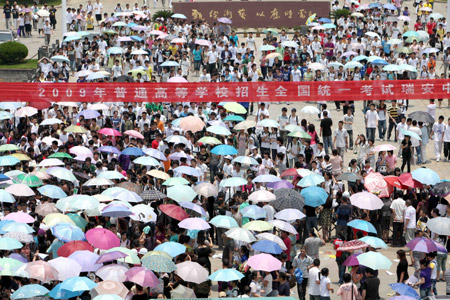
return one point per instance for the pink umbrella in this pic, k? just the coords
(142, 276)
(87, 260)
(102, 238)
(81, 151)
(203, 43)
(20, 190)
(66, 267)
(125, 39)
(20, 217)
(192, 123)
(385, 147)
(134, 133)
(110, 256)
(178, 41)
(112, 272)
(365, 200)
(177, 79)
(109, 131)
(109, 287)
(264, 262)
(375, 183)
(42, 271)
(194, 224)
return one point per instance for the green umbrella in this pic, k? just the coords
(181, 193)
(119, 24)
(405, 50)
(300, 134)
(412, 39)
(209, 140)
(134, 72)
(158, 263)
(271, 30)
(219, 130)
(62, 173)
(175, 181)
(7, 243)
(348, 176)
(13, 173)
(9, 147)
(406, 67)
(78, 220)
(234, 118)
(132, 257)
(9, 266)
(29, 179)
(292, 127)
(110, 31)
(233, 182)
(61, 155)
(391, 68)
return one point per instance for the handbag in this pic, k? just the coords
(292, 281)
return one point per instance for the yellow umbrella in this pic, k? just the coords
(235, 107)
(55, 218)
(159, 253)
(245, 125)
(21, 156)
(273, 55)
(258, 226)
(134, 72)
(103, 198)
(310, 18)
(75, 129)
(158, 174)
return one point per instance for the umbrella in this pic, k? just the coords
(98, 181)
(188, 171)
(226, 275)
(441, 189)
(6, 197)
(288, 198)
(245, 125)
(224, 150)
(143, 213)
(283, 226)
(8, 244)
(172, 248)
(258, 226)
(352, 245)
(206, 189)
(132, 187)
(273, 238)
(240, 234)
(8, 160)
(181, 193)
(351, 260)
(21, 237)
(59, 58)
(348, 176)
(28, 179)
(142, 276)
(76, 129)
(289, 214)
(314, 196)
(109, 287)
(224, 20)
(18, 227)
(365, 200)
(266, 178)
(264, 262)
(113, 272)
(86, 259)
(89, 114)
(66, 267)
(170, 64)
(311, 180)
(283, 184)
(374, 242)
(194, 207)
(422, 244)
(67, 232)
(50, 162)
(146, 161)
(192, 272)
(289, 173)
(219, 130)
(133, 151)
(404, 290)
(77, 284)
(425, 176)
(182, 292)
(158, 263)
(233, 182)
(20, 217)
(9, 265)
(439, 225)
(120, 193)
(29, 291)
(52, 219)
(61, 155)
(407, 180)
(67, 249)
(192, 123)
(174, 211)
(421, 116)
(109, 131)
(209, 140)
(110, 256)
(262, 196)
(156, 154)
(108, 297)
(62, 173)
(374, 260)
(41, 270)
(224, 222)
(362, 225)
(194, 224)
(253, 212)
(235, 107)
(151, 195)
(384, 147)
(266, 246)
(134, 133)
(111, 175)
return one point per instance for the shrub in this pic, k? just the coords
(340, 12)
(162, 13)
(13, 52)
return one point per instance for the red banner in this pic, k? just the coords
(217, 92)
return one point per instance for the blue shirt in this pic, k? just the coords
(386, 47)
(197, 54)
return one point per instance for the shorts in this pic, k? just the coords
(385, 223)
(98, 17)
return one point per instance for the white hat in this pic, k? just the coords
(228, 157)
(143, 251)
(346, 194)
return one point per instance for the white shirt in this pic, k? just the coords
(415, 142)
(399, 207)
(212, 57)
(270, 212)
(447, 133)
(324, 292)
(431, 109)
(313, 287)
(372, 118)
(438, 129)
(98, 7)
(340, 136)
(410, 214)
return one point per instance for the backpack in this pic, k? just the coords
(298, 275)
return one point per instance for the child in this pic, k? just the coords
(325, 284)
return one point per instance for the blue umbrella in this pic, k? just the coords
(29, 291)
(67, 232)
(379, 62)
(136, 38)
(9, 160)
(6, 197)
(267, 247)
(115, 50)
(178, 16)
(59, 293)
(253, 212)
(52, 191)
(3, 224)
(374, 5)
(360, 57)
(109, 149)
(131, 24)
(226, 275)
(362, 225)
(311, 180)
(224, 150)
(170, 63)
(374, 242)
(72, 38)
(426, 176)
(390, 6)
(314, 196)
(234, 118)
(18, 227)
(134, 151)
(116, 211)
(78, 284)
(404, 290)
(325, 20)
(89, 114)
(172, 248)
(411, 134)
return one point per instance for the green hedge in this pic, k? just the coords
(162, 13)
(13, 52)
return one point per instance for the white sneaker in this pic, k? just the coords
(437, 159)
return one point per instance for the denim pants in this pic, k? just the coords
(433, 286)
(381, 129)
(327, 142)
(371, 133)
(418, 151)
(311, 222)
(425, 293)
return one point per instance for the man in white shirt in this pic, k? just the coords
(98, 9)
(313, 277)
(340, 140)
(446, 140)
(431, 108)
(371, 122)
(212, 58)
(410, 222)
(415, 143)
(437, 134)
(398, 208)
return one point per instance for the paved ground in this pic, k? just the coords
(441, 167)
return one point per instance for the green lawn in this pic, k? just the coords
(28, 64)
(30, 2)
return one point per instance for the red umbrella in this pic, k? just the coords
(375, 183)
(352, 245)
(67, 249)
(109, 131)
(102, 238)
(407, 180)
(289, 172)
(174, 211)
(40, 104)
(393, 181)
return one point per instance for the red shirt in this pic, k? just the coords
(337, 243)
(430, 27)
(287, 242)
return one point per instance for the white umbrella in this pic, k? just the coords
(182, 292)
(439, 225)
(262, 196)
(289, 214)
(372, 34)
(273, 238)
(365, 200)
(284, 226)
(51, 121)
(81, 151)
(98, 181)
(20, 190)
(206, 189)
(139, 52)
(98, 106)
(66, 267)
(310, 110)
(50, 162)
(49, 140)
(113, 272)
(26, 111)
(240, 234)
(143, 213)
(192, 272)
(266, 178)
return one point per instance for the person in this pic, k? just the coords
(371, 286)
(325, 132)
(325, 284)
(398, 208)
(431, 257)
(48, 31)
(314, 282)
(410, 221)
(339, 257)
(371, 122)
(343, 214)
(284, 289)
(348, 290)
(313, 243)
(406, 153)
(437, 133)
(303, 262)
(340, 140)
(424, 282)
(402, 267)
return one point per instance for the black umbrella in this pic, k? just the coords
(421, 116)
(288, 198)
(441, 188)
(151, 195)
(125, 78)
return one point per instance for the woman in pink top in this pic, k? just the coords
(391, 161)
(348, 290)
(314, 137)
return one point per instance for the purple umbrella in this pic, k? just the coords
(109, 149)
(283, 184)
(110, 256)
(116, 211)
(224, 20)
(87, 260)
(440, 247)
(26, 10)
(18, 257)
(89, 114)
(422, 245)
(352, 260)
(112, 19)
